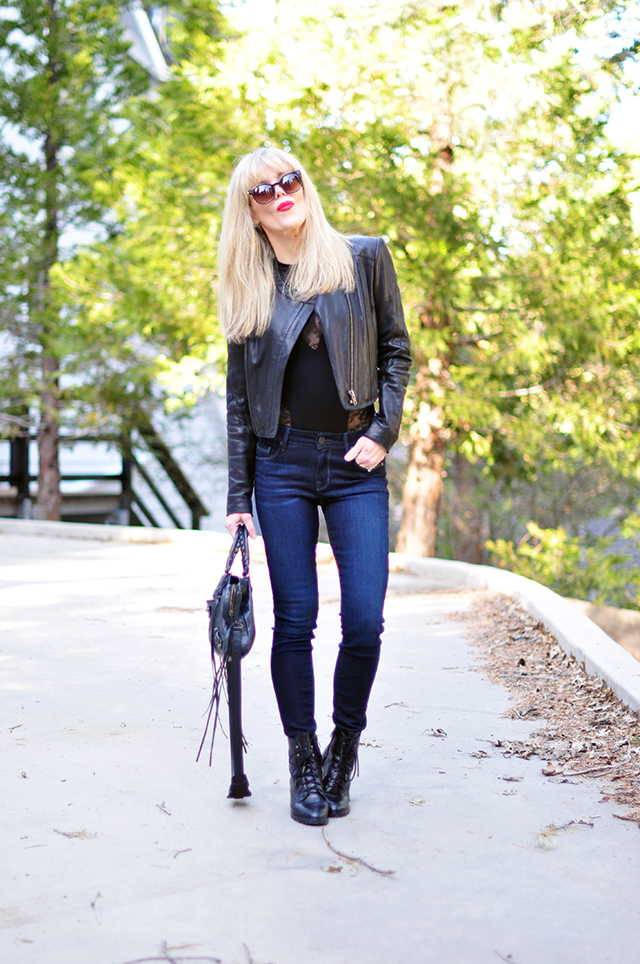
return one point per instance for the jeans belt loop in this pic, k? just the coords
(285, 439)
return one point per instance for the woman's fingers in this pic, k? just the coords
(366, 453)
(355, 451)
(251, 529)
(240, 518)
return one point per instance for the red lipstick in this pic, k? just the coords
(285, 206)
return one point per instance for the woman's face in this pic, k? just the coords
(285, 215)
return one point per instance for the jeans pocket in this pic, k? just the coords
(360, 471)
(267, 449)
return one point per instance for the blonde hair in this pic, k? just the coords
(246, 261)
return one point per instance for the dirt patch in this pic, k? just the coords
(587, 733)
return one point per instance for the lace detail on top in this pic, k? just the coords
(312, 332)
(358, 421)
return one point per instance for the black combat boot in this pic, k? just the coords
(308, 804)
(339, 765)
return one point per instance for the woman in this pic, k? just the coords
(316, 338)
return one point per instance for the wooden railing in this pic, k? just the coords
(132, 508)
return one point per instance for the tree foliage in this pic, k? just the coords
(66, 77)
(111, 197)
(149, 287)
(571, 566)
(473, 136)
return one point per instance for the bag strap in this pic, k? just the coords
(239, 544)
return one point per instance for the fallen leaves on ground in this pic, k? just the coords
(588, 732)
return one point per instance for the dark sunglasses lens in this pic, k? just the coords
(291, 183)
(263, 193)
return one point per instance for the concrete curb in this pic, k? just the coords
(576, 633)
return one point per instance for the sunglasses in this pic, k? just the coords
(264, 193)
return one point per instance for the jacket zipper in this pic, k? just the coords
(351, 393)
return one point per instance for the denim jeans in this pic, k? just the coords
(295, 473)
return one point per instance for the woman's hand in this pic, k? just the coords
(240, 518)
(367, 453)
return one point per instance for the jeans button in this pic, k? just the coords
(321, 440)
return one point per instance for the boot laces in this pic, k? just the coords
(306, 771)
(344, 765)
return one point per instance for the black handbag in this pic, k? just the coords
(231, 634)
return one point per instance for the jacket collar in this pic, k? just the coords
(288, 314)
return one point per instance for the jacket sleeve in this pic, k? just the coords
(241, 440)
(394, 356)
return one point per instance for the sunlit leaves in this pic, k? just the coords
(573, 566)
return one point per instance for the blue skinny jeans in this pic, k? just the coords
(297, 471)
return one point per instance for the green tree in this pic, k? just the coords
(66, 77)
(148, 290)
(136, 299)
(473, 138)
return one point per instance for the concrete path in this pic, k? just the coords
(118, 847)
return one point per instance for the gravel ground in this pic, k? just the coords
(585, 732)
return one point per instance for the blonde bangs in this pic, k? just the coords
(246, 260)
(250, 169)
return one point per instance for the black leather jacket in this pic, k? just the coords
(368, 348)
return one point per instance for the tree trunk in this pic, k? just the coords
(49, 501)
(423, 486)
